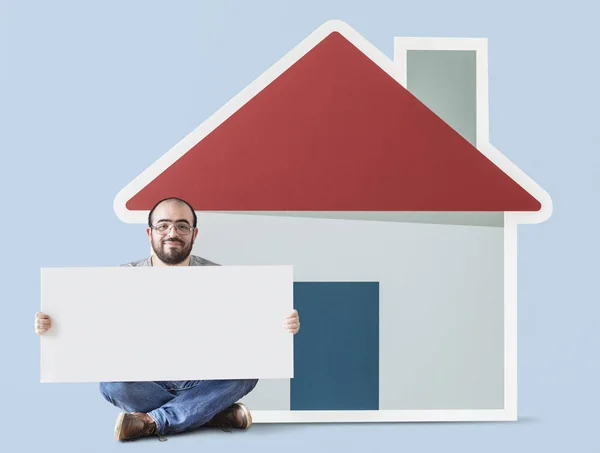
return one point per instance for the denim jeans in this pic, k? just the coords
(177, 406)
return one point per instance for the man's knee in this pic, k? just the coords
(135, 396)
(122, 395)
(112, 391)
(252, 383)
(249, 385)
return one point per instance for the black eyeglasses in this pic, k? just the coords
(164, 227)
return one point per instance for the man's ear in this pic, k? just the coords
(149, 233)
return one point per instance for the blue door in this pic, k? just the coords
(336, 352)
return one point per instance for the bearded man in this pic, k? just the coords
(167, 407)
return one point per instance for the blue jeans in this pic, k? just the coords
(177, 406)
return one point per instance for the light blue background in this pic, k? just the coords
(94, 92)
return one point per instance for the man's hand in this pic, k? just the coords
(42, 323)
(292, 322)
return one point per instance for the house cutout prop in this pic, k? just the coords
(402, 231)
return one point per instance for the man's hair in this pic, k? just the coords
(172, 199)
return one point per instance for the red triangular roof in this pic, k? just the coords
(335, 132)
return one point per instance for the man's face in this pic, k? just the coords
(172, 247)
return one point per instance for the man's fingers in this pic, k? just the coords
(40, 330)
(292, 322)
(42, 325)
(292, 327)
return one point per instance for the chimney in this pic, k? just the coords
(443, 73)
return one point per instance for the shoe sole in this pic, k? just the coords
(119, 426)
(247, 414)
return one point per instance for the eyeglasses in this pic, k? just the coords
(164, 227)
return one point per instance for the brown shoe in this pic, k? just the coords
(235, 416)
(133, 425)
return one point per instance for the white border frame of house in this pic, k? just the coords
(397, 70)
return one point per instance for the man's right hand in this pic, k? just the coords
(42, 323)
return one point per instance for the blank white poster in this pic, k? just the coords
(166, 323)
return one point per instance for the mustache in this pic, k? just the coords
(173, 240)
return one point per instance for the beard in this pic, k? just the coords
(171, 255)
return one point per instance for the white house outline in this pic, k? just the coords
(397, 70)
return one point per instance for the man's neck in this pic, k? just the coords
(157, 262)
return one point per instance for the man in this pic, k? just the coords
(166, 407)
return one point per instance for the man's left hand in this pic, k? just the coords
(292, 323)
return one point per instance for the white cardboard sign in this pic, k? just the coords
(166, 323)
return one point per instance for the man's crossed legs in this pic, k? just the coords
(177, 406)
